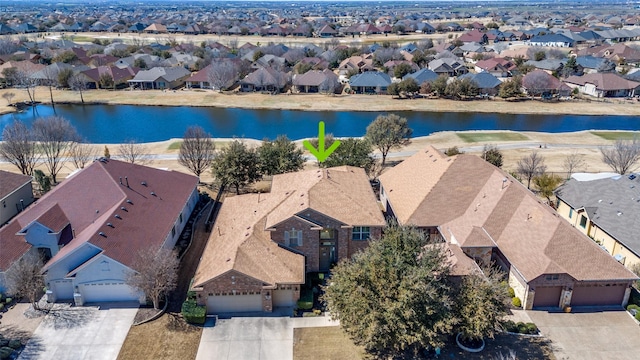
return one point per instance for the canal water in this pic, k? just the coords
(120, 123)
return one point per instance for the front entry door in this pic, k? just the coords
(327, 255)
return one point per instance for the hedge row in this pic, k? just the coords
(193, 313)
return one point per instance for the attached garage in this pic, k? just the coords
(107, 291)
(234, 303)
(283, 298)
(63, 289)
(598, 295)
(547, 296)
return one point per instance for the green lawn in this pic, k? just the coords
(175, 145)
(471, 137)
(617, 135)
(82, 38)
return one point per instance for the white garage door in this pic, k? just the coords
(63, 289)
(233, 303)
(283, 298)
(107, 291)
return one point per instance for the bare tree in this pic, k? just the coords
(156, 273)
(8, 45)
(537, 82)
(197, 150)
(81, 153)
(18, 147)
(55, 135)
(133, 152)
(24, 278)
(51, 80)
(8, 96)
(77, 83)
(221, 74)
(531, 166)
(623, 156)
(23, 79)
(573, 162)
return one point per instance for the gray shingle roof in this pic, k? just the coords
(422, 75)
(169, 74)
(613, 204)
(370, 78)
(483, 80)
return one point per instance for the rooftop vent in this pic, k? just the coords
(110, 225)
(153, 193)
(123, 208)
(144, 183)
(102, 234)
(632, 176)
(129, 202)
(118, 217)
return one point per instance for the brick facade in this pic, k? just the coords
(345, 246)
(227, 284)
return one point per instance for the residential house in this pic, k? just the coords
(262, 245)
(421, 76)
(315, 81)
(356, 64)
(391, 65)
(120, 76)
(605, 210)
(591, 64)
(326, 31)
(550, 66)
(448, 66)
(160, 78)
(264, 79)
(539, 82)
(370, 82)
(551, 40)
(486, 82)
(16, 194)
(475, 36)
(603, 85)
(493, 218)
(498, 67)
(91, 227)
(618, 53)
(155, 28)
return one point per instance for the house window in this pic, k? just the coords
(293, 237)
(570, 213)
(552, 277)
(326, 234)
(104, 265)
(583, 221)
(360, 233)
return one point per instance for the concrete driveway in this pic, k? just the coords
(253, 338)
(609, 335)
(76, 333)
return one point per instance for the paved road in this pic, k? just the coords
(601, 335)
(77, 333)
(254, 338)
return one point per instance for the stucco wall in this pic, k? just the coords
(10, 205)
(39, 237)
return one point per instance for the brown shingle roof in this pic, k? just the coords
(603, 81)
(473, 205)
(342, 193)
(92, 197)
(10, 182)
(241, 240)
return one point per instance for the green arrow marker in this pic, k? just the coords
(320, 153)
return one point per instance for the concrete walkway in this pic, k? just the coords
(254, 338)
(77, 333)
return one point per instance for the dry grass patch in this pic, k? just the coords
(332, 343)
(617, 135)
(472, 137)
(324, 343)
(168, 337)
(175, 145)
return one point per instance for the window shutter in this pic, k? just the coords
(299, 237)
(286, 238)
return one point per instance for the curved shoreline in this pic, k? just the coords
(318, 102)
